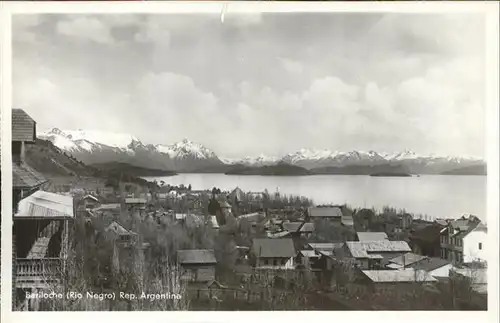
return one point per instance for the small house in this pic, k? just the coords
(273, 253)
(197, 265)
(372, 254)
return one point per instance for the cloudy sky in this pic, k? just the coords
(269, 83)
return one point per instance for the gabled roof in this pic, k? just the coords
(360, 249)
(407, 259)
(430, 264)
(273, 248)
(325, 212)
(23, 176)
(237, 193)
(119, 229)
(309, 253)
(196, 256)
(372, 236)
(46, 205)
(23, 126)
(398, 276)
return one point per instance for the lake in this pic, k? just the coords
(431, 195)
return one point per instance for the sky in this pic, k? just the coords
(259, 83)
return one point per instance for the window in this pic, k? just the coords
(480, 246)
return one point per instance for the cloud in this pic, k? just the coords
(86, 28)
(291, 66)
(268, 84)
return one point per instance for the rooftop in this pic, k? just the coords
(196, 256)
(23, 126)
(407, 259)
(23, 176)
(326, 246)
(360, 249)
(430, 264)
(46, 205)
(273, 248)
(292, 226)
(398, 276)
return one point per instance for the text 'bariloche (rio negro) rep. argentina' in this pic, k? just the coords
(104, 296)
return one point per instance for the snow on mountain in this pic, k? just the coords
(88, 140)
(261, 160)
(186, 148)
(100, 147)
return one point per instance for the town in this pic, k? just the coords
(229, 249)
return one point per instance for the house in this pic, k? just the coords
(372, 254)
(405, 261)
(273, 253)
(325, 248)
(371, 236)
(197, 265)
(25, 180)
(330, 213)
(121, 233)
(307, 258)
(40, 244)
(464, 240)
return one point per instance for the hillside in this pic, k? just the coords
(281, 169)
(377, 170)
(478, 170)
(132, 170)
(52, 162)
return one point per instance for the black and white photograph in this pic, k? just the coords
(250, 161)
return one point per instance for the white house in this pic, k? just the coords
(474, 244)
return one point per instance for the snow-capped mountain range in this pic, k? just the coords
(93, 147)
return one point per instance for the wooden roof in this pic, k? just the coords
(23, 126)
(196, 256)
(23, 176)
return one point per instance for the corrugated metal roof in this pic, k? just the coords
(360, 249)
(372, 236)
(46, 205)
(196, 256)
(273, 248)
(23, 176)
(23, 126)
(325, 212)
(398, 276)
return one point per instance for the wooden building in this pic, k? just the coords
(197, 265)
(273, 253)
